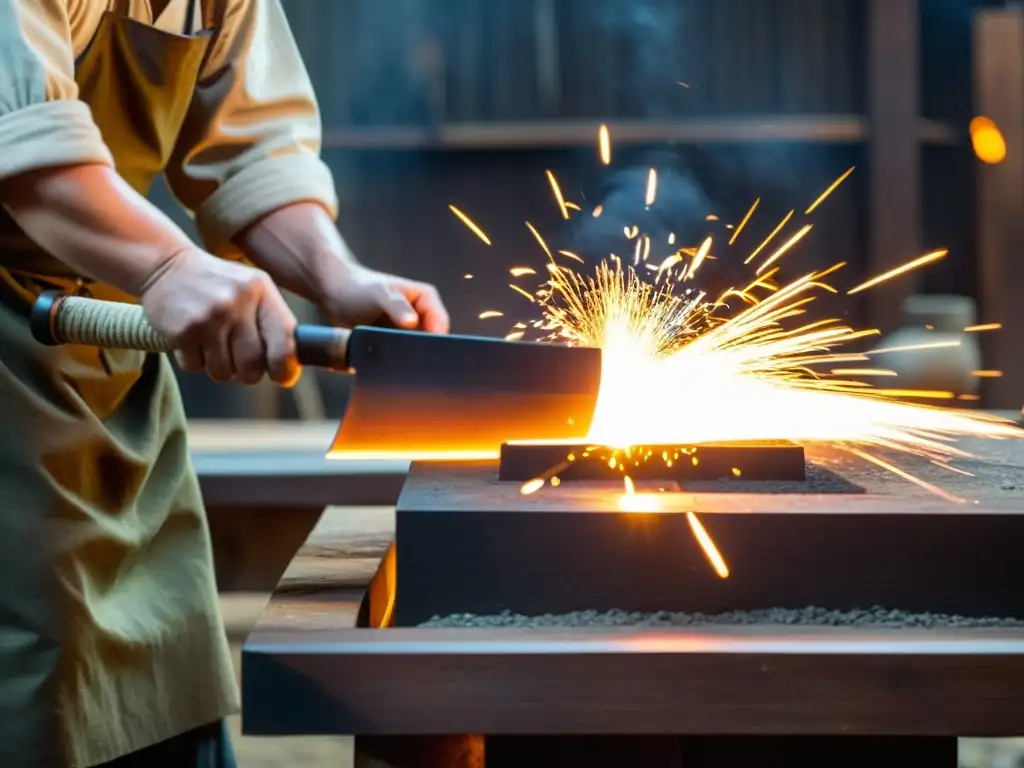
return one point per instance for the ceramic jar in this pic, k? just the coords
(930, 320)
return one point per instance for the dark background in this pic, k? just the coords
(392, 74)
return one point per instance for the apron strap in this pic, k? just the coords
(191, 25)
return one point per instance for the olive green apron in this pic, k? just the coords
(110, 631)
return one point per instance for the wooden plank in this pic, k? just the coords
(999, 89)
(634, 681)
(262, 465)
(826, 129)
(894, 163)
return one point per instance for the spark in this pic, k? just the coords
(707, 544)
(698, 258)
(597, 211)
(920, 261)
(756, 355)
(540, 240)
(470, 223)
(829, 191)
(520, 291)
(983, 327)
(532, 486)
(802, 380)
(490, 313)
(743, 223)
(906, 475)
(987, 374)
(558, 194)
(862, 372)
(604, 145)
(652, 187)
(768, 239)
(915, 347)
(521, 271)
(467, 276)
(783, 248)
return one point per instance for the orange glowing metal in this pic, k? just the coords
(987, 374)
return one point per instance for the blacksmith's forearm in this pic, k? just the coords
(88, 217)
(300, 248)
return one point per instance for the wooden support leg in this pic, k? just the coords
(818, 751)
(419, 752)
(583, 751)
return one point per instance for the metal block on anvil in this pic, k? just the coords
(467, 543)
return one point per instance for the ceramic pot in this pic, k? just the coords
(929, 320)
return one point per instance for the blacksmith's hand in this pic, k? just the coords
(224, 317)
(362, 296)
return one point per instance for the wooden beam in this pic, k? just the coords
(894, 162)
(546, 134)
(634, 681)
(999, 95)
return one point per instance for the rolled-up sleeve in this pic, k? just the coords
(42, 122)
(251, 143)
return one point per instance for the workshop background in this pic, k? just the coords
(427, 103)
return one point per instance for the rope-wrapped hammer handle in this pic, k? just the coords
(62, 319)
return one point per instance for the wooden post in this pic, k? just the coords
(894, 163)
(999, 95)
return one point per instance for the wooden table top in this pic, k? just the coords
(308, 670)
(253, 464)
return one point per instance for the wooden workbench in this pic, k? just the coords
(265, 484)
(307, 670)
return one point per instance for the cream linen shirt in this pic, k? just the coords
(250, 144)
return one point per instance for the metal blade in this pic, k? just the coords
(418, 394)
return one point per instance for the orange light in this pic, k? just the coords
(987, 141)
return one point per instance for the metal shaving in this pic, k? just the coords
(811, 616)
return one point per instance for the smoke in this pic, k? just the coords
(676, 219)
(648, 36)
